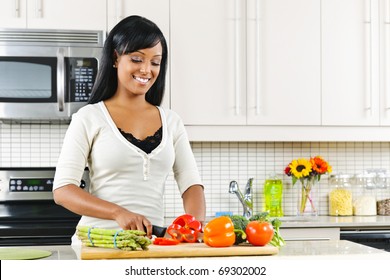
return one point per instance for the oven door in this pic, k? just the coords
(379, 239)
(30, 223)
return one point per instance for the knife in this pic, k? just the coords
(158, 231)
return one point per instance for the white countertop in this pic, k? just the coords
(293, 249)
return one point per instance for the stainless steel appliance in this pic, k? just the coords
(377, 238)
(46, 75)
(28, 213)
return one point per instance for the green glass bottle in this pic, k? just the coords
(273, 195)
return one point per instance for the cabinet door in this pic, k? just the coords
(284, 79)
(13, 14)
(67, 14)
(208, 85)
(384, 26)
(350, 78)
(159, 14)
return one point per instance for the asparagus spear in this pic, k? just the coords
(107, 238)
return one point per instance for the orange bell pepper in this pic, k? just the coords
(219, 232)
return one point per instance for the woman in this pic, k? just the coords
(128, 142)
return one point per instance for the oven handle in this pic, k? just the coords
(61, 79)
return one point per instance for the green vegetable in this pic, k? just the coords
(123, 239)
(240, 223)
(277, 239)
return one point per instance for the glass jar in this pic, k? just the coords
(340, 195)
(273, 195)
(364, 202)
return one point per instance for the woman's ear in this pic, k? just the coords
(115, 59)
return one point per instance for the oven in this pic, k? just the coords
(377, 238)
(28, 213)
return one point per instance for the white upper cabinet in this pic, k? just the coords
(13, 14)
(283, 62)
(208, 61)
(54, 14)
(355, 62)
(384, 55)
(156, 11)
(246, 62)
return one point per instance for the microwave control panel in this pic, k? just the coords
(82, 72)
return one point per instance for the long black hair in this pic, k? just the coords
(129, 35)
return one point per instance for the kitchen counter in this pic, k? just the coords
(293, 249)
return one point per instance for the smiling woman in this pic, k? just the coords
(128, 141)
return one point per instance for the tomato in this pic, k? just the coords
(165, 241)
(259, 233)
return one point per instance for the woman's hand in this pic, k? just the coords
(78, 201)
(133, 221)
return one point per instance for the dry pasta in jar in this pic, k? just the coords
(340, 196)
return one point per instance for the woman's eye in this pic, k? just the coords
(156, 63)
(136, 59)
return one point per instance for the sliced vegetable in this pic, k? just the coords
(219, 232)
(185, 228)
(165, 241)
(259, 233)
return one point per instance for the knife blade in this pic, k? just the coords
(158, 231)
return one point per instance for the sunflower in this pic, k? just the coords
(320, 166)
(300, 168)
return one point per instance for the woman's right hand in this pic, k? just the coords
(78, 201)
(134, 221)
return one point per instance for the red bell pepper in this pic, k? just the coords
(165, 241)
(185, 228)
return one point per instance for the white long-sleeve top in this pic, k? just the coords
(120, 172)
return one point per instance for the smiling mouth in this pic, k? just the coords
(141, 80)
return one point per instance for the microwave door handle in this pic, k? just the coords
(61, 79)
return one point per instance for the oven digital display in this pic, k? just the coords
(31, 184)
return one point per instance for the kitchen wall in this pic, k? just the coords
(38, 145)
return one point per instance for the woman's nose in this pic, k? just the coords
(145, 68)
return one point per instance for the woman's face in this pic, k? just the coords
(137, 71)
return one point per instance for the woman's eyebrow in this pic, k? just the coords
(144, 53)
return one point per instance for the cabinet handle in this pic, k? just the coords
(368, 60)
(38, 9)
(387, 11)
(258, 21)
(17, 8)
(237, 56)
(119, 10)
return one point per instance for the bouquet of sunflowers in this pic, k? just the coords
(307, 171)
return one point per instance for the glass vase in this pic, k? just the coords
(307, 197)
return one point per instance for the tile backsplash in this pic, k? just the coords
(38, 145)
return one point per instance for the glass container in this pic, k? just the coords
(340, 195)
(364, 202)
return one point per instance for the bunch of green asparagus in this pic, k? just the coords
(128, 240)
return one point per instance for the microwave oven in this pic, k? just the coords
(46, 75)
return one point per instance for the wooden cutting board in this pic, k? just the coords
(177, 251)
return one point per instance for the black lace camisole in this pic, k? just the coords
(148, 144)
